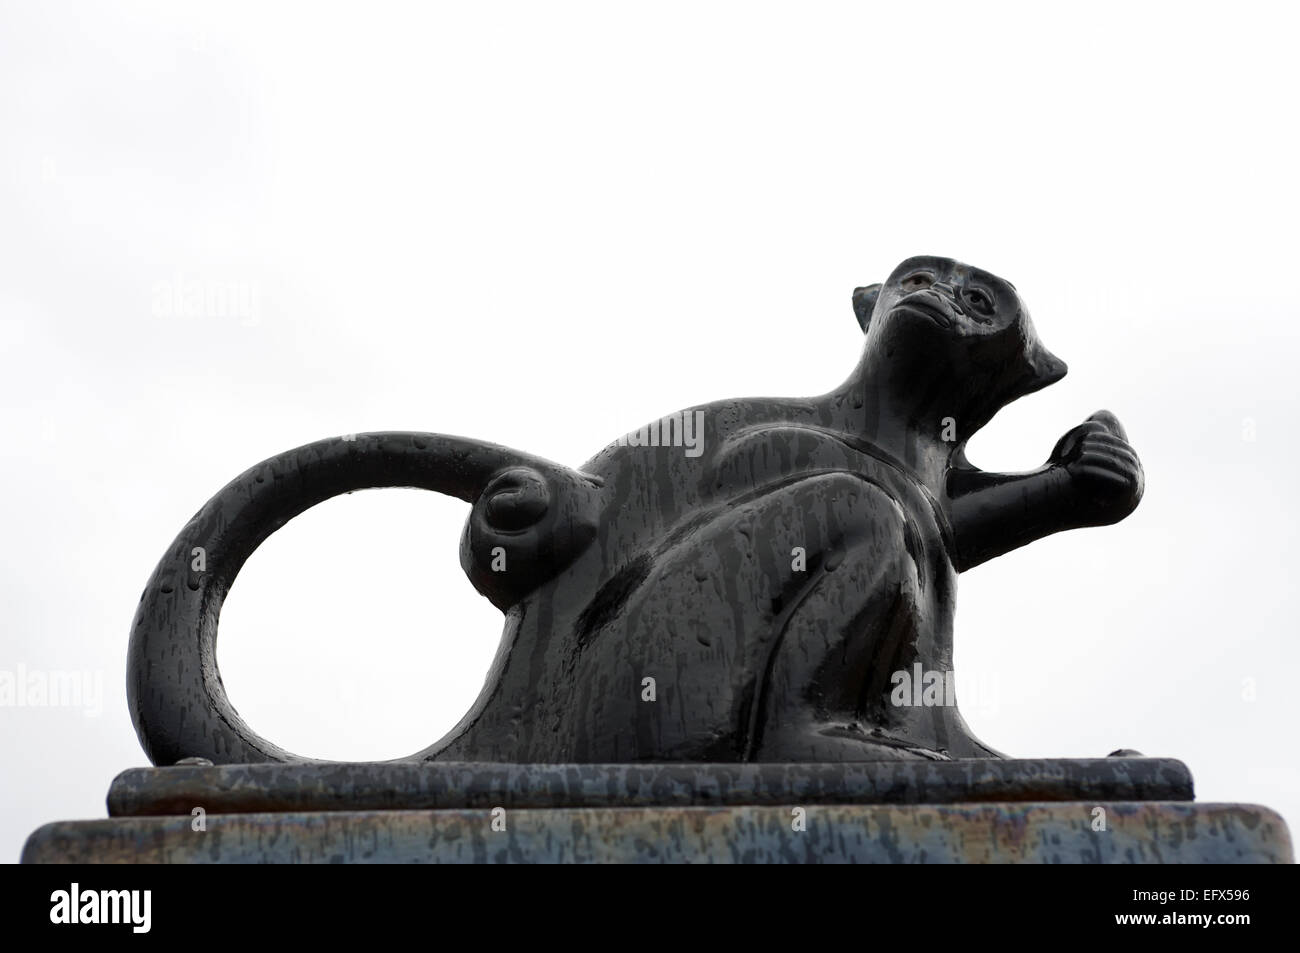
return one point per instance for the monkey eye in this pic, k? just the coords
(918, 280)
(979, 300)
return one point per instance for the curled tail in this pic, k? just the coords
(178, 703)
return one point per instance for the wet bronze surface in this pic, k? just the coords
(742, 581)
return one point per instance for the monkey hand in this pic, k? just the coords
(1103, 472)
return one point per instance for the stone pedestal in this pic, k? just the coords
(1107, 810)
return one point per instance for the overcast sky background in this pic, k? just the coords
(545, 224)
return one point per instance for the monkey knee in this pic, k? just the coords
(514, 500)
(525, 527)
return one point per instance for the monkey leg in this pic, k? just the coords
(770, 631)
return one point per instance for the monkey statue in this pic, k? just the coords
(739, 581)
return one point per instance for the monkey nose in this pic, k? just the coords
(945, 288)
(1047, 367)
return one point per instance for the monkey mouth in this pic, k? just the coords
(929, 306)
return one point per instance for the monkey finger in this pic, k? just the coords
(1122, 453)
(1117, 480)
(1091, 426)
(1107, 439)
(1110, 422)
(1108, 463)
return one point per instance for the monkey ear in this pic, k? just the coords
(864, 302)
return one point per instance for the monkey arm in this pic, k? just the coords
(1092, 478)
(994, 513)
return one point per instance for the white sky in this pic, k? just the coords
(545, 224)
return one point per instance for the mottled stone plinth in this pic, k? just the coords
(887, 812)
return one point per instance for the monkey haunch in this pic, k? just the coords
(770, 583)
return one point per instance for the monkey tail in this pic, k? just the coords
(177, 701)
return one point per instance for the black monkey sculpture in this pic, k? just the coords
(740, 581)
